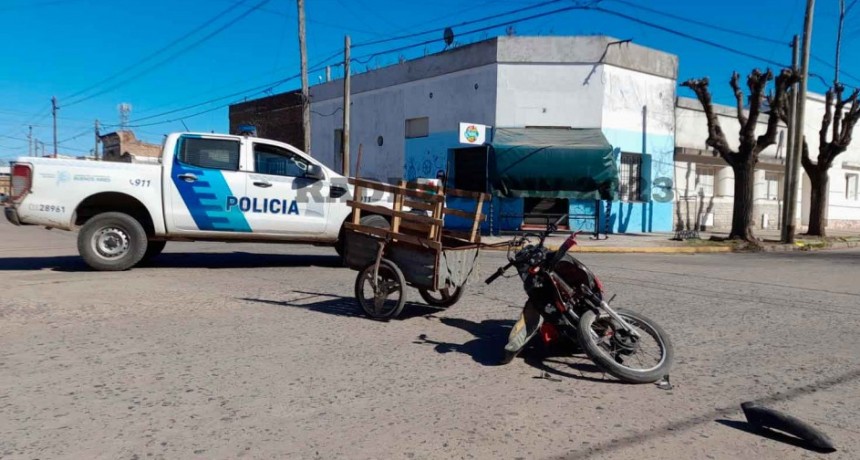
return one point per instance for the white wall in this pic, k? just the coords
(627, 92)
(550, 95)
(691, 130)
(383, 112)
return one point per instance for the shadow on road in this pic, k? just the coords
(212, 260)
(487, 348)
(771, 434)
(341, 306)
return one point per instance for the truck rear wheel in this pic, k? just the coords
(112, 241)
(153, 249)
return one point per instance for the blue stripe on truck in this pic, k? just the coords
(206, 198)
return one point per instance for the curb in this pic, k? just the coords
(638, 250)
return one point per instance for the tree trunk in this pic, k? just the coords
(743, 207)
(818, 201)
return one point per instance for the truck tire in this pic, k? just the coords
(153, 249)
(112, 241)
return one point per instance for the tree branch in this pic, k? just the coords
(837, 113)
(739, 97)
(851, 119)
(807, 163)
(756, 82)
(825, 125)
(716, 136)
(778, 107)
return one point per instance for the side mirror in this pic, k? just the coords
(315, 172)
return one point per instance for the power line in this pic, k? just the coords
(466, 23)
(255, 90)
(688, 36)
(272, 85)
(159, 51)
(169, 58)
(722, 29)
(702, 23)
(369, 57)
(82, 133)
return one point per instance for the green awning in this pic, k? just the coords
(552, 163)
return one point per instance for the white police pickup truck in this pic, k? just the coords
(207, 187)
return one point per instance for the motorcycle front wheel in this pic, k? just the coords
(645, 359)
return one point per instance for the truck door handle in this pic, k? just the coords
(263, 184)
(188, 177)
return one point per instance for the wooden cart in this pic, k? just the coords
(413, 250)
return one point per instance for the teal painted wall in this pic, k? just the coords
(425, 156)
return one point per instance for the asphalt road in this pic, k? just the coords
(260, 351)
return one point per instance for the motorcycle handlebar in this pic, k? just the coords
(499, 272)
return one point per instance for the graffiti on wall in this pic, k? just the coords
(424, 163)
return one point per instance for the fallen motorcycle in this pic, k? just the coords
(565, 302)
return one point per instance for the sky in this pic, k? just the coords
(179, 63)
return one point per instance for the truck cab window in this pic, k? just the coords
(210, 153)
(276, 161)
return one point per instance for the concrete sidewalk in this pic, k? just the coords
(663, 242)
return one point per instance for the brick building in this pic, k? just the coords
(124, 147)
(277, 117)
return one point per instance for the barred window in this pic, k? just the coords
(630, 176)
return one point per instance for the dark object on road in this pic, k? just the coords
(763, 417)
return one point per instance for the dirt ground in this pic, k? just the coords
(259, 351)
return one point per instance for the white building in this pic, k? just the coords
(704, 184)
(406, 117)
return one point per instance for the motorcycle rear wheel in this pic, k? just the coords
(619, 355)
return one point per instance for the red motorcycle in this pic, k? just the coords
(565, 302)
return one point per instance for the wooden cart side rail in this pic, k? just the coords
(381, 210)
(388, 234)
(394, 189)
(419, 205)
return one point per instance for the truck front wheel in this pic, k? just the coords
(112, 241)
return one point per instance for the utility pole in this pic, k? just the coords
(799, 123)
(838, 43)
(96, 144)
(54, 114)
(346, 109)
(306, 106)
(30, 142)
(787, 192)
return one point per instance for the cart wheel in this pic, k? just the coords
(442, 298)
(384, 298)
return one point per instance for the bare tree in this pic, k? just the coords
(744, 159)
(842, 123)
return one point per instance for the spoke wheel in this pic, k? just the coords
(643, 359)
(382, 297)
(442, 298)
